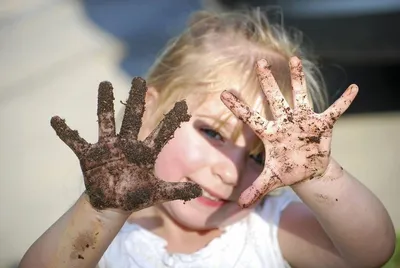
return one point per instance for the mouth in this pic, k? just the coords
(210, 198)
(207, 194)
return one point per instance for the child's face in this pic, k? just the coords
(210, 157)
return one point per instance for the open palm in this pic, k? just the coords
(118, 169)
(298, 141)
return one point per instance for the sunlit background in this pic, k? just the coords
(54, 53)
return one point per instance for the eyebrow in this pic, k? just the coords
(224, 123)
(229, 126)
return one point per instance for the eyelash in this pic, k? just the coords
(258, 161)
(212, 133)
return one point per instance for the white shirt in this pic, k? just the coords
(251, 242)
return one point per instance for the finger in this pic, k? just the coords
(169, 191)
(70, 137)
(277, 103)
(300, 99)
(265, 183)
(332, 114)
(166, 128)
(138, 153)
(105, 110)
(242, 111)
(134, 109)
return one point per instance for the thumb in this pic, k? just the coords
(169, 191)
(260, 187)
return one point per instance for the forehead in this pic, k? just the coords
(237, 74)
(211, 103)
(208, 99)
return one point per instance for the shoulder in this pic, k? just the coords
(267, 215)
(125, 249)
(273, 205)
(264, 224)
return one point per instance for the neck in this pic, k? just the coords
(180, 239)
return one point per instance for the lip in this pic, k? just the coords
(214, 194)
(210, 203)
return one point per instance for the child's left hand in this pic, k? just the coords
(298, 141)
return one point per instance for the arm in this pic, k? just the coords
(119, 179)
(78, 239)
(340, 224)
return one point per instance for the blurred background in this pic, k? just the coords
(54, 53)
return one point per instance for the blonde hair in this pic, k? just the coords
(218, 43)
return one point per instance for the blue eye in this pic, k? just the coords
(212, 134)
(259, 158)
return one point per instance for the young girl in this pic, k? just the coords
(210, 197)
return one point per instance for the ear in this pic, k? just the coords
(151, 98)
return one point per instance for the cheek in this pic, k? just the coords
(250, 174)
(181, 156)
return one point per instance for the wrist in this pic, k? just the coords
(333, 172)
(108, 214)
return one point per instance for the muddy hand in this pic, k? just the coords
(298, 141)
(118, 169)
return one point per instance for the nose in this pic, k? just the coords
(228, 167)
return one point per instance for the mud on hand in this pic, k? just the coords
(118, 169)
(297, 140)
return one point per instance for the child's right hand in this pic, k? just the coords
(118, 169)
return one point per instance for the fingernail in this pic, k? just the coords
(294, 61)
(352, 89)
(263, 63)
(225, 94)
